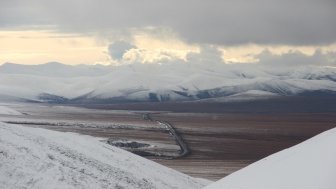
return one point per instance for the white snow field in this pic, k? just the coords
(309, 165)
(4, 110)
(43, 159)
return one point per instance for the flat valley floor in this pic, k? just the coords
(219, 143)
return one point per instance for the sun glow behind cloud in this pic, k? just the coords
(34, 47)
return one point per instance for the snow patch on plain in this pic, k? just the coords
(4, 110)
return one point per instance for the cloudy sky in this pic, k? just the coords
(155, 31)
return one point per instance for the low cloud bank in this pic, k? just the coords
(127, 53)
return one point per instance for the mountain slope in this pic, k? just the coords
(38, 158)
(309, 165)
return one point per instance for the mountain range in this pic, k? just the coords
(171, 82)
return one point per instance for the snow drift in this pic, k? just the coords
(39, 158)
(309, 165)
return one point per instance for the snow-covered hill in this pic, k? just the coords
(154, 82)
(309, 165)
(38, 158)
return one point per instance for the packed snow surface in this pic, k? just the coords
(309, 165)
(4, 110)
(39, 158)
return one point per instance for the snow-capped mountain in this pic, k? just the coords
(55, 82)
(308, 165)
(39, 158)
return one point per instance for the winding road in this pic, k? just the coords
(184, 150)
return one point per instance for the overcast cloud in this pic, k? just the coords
(220, 22)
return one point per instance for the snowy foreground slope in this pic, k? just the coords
(55, 82)
(39, 158)
(309, 165)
